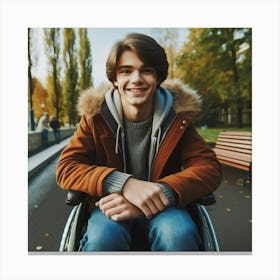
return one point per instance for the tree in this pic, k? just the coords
(52, 48)
(30, 84)
(40, 99)
(217, 62)
(168, 38)
(85, 60)
(71, 74)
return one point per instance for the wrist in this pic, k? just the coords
(115, 182)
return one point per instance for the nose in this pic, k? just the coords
(136, 77)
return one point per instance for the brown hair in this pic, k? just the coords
(145, 47)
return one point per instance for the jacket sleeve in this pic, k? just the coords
(201, 171)
(76, 168)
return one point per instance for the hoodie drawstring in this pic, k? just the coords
(158, 139)
(117, 140)
(153, 150)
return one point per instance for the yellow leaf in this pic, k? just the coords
(39, 248)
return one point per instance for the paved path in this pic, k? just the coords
(47, 212)
(232, 214)
(37, 161)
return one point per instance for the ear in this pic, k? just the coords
(115, 84)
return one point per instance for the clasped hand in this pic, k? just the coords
(137, 198)
(147, 196)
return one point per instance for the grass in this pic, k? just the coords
(211, 134)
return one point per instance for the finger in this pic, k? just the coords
(154, 202)
(119, 217)
(160, 198)
(107, 199)
(114, 211)
(164, 200)
(117, 201)
(146, 210)
(159, 204)
(126, 214)
(152, 206)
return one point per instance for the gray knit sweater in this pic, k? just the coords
(137, 136)
(139, 142)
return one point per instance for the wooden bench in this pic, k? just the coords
(235, 149)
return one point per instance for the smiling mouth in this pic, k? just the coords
(137, 90)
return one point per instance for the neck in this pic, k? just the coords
(138, 114)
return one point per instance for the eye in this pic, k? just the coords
(148, 70)
(124, 71)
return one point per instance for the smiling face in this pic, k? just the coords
(137, 84)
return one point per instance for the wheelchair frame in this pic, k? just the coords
(70, 237)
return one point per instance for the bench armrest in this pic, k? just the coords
(74, 198)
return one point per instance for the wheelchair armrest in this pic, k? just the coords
(207, 200)
(74, 198)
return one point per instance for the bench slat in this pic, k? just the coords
(233, 155)
(242, 167)
(230, 148)
(247, 147)
(246, 142)
(241, 133)
(243, 137)
(235, 149)
(241, 162)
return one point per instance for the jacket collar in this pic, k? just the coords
(185, 99)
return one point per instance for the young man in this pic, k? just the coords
(137, 154)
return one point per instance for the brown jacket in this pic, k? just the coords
(183, 160)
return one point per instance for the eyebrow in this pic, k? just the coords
(124, 66)
(130, 66)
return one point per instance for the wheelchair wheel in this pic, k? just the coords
(207, 231)
(69, 241)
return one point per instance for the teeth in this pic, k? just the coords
(137, 90)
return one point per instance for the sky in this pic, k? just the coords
(101, 40)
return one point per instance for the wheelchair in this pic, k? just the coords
(77, 221)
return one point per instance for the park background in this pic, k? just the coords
(262, 16)
(216, 62)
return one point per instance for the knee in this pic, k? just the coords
(109, 236)
(170, 235)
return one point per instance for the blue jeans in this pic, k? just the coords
(45, 137)
(56, 133)
(170, 230)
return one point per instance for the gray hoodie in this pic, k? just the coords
(163, 101)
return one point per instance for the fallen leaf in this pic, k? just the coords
(46, 234)
(238, 182)
(225, 181)
(35, 206)
(39, 248)
(228, 209)
(220, 196)
(247, 196)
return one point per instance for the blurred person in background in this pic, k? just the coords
(55, 125)
(43, 128)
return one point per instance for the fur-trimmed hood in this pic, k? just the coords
(184, 98)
